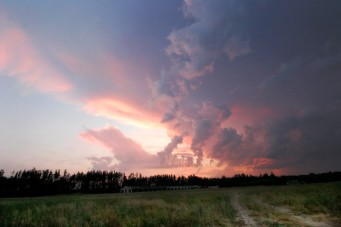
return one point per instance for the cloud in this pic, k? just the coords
(166, 155)
(197, 129)
(239, 149)
(305, 95)
(292, 123)
(196, 126)
(109, 87)
(290, 144)
(79, 67)
(102, 163)
(20, 59)
(126, 151)
(93, 78)
(227, 145)
(298, 141)
(280, 104)
(303, 84)
(129, 156)
(125, 111)
(216, 30)
(236, 47)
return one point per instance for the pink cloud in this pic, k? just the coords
(129, 156)
(110, 88)
(20, 59)
(107, 87)
(123, 110)
(127, 152)
(243, 115)
(196, 126)
(234, 141)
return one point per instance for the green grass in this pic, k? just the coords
(320, 202)
(202, 207)
(180, 208)
(306, 199)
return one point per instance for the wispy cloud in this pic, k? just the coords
(20, 59)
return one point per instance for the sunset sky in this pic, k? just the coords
(209, 88)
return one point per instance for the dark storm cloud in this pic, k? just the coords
(306, 92)
(292, 70)
(238, 149)
(227, 145)
(308, 82)
(306, 96)
(310, 142)
(217, 30)
(296, 141)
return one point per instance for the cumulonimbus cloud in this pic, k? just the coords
(194, 50)
(216, 31)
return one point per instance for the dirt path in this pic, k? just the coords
(305, 220)
(242, 213)
(244, 217)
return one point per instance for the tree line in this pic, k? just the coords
(47, 182)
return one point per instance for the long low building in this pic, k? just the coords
(130, 189)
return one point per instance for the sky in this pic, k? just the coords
(204, 87)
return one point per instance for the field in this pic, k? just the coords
(300, 205)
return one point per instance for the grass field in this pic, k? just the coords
(301, 205)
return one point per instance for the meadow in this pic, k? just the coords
(300, 205)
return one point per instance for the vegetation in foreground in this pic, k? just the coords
(179, 208)
(201, 207)
(306, 205)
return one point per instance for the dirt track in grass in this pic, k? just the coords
(301, 205)
(242, 213)
(304, 220)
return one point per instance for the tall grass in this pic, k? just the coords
(185, 208)
(275, 204)
(203, 207)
